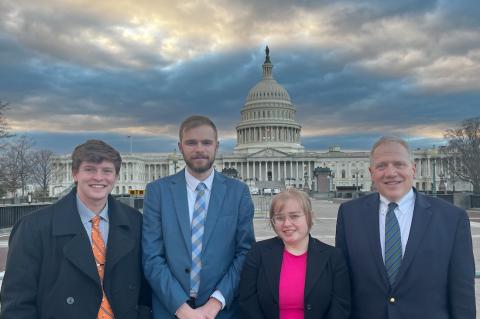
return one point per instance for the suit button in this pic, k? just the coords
(70, 300)
(392, 300)
(131, 287)
(187, 270)
(309, 307)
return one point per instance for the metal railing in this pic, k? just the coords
(262, 205)
(10, 214)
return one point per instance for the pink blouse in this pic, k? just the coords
(292, 285)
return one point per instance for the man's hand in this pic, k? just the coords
(211, 308)
(186, 312)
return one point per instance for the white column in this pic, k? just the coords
(291, 169)
(263, 174)
(310, 177)
(266, 170)
(296, 171)
(273, 171)
(259, 166)
(279, 176)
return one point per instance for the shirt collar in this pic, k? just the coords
(86, 214)
(403, 203)
(192, 182)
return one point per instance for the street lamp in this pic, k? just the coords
(131, 143)
(174, 158)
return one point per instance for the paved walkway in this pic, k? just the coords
(323, 229)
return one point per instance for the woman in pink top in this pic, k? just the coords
(294, 276)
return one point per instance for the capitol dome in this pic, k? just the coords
(268, 89)
(268, 117)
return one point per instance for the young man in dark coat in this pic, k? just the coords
(79, 257)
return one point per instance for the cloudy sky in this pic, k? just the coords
(72, 70)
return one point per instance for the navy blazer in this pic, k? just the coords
(51, 271)
(436, 278)
(167, 247)
(327, 286)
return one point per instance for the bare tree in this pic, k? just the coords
(464, 148)
(3, 123)
(16, 165)
(9, 170)
(42, 172)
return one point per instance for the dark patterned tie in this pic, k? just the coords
(393, 244)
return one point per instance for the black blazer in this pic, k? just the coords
(327, 285)
(436, 278)
(51, 271)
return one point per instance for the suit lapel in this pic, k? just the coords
(421, 218)
(178, 189)
(371, 225)
(217, 196)
(272, 263)
(316, 262)
(120, 239)
(78, 250)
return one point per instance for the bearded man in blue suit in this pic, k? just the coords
(409, 255)
(198, 228)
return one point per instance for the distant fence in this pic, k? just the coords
(10, 214)
(475, 201)
(135, 202)
(446, 197)
(24, 200)
(262, 205)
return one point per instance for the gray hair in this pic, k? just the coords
(391, 139)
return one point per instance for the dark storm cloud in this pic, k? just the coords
(363, 142)
(359, 70)
(66, 142)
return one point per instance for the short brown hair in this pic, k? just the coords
(95, 151)
(196, 121)
(302, 199)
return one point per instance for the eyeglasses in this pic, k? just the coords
(293, 218)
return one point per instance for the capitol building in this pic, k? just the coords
(268, 154)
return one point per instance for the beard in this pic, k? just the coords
(200, 169)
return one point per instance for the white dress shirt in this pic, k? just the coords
(192, 184)
(404, 214)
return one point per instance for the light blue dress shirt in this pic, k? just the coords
(86, 216)
(404, 214)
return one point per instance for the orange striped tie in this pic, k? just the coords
(99, 251)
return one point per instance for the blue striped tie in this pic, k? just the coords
(198, 221)
(393, 244)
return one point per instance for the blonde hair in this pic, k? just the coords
(302, 199)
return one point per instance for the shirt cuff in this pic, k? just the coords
(218, 295)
